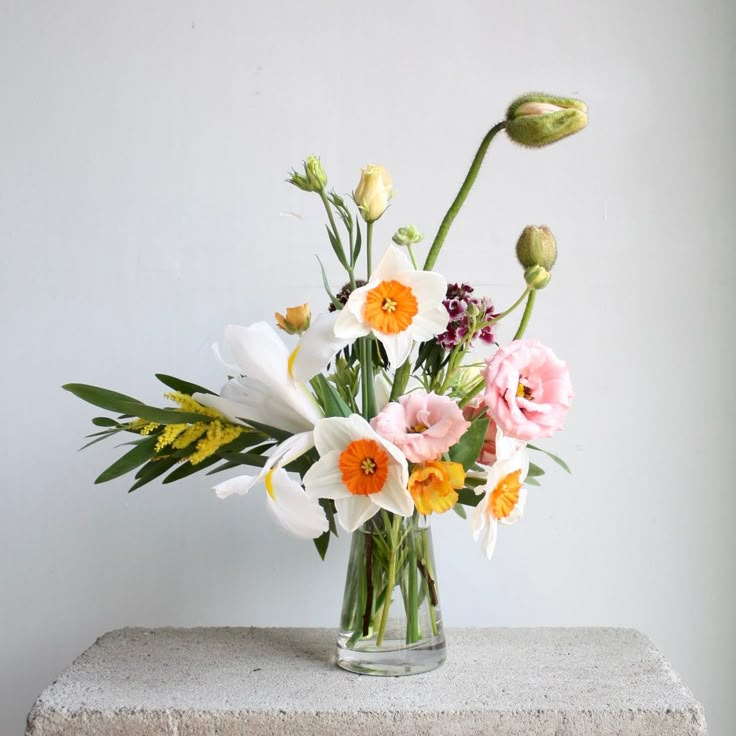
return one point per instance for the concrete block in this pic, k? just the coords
(283, 681)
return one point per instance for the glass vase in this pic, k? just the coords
(391, 622)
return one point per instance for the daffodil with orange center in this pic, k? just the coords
(359, 470)
(504, 493)
(398, 305)
(434, 485)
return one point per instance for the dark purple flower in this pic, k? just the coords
(457, 301)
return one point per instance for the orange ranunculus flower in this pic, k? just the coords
(433, 485)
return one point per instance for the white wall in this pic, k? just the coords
(143, 148)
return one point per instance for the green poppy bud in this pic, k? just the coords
(537, 277)
(407, 235)
(537, 119)
(537, 247)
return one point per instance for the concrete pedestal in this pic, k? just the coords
(279, 682)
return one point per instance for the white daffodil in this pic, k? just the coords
(268, 393)
(360, 470)
(504, 493)
(288, 503)
(398, 305)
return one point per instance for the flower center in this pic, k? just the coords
(418, 428)
(524, 392)
(505, 495)
(364, 467)
(390, 307)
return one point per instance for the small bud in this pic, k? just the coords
(373, 193)
(297, 319)
(315, 173)
(537, 247)
(314, 178)
(537, 119)
(407, 235)
(537, 277)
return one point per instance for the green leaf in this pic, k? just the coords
(105, 422)
(132, 459)
(184, 387)
(102, 397)
(243, 458)
(277, 434)
(556, 458)
(187, 468)
(167, 416)
(100, 436)
(321, 543)
(468, 497)
(332, 402)
(358, 242)
(335, 243)
(401, 379)
(329, 507)
(531, 481)
(466, 451)
(460, 511)
(151, 470)
(534, 471)
(326, 284)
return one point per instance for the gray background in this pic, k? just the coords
(142, 207)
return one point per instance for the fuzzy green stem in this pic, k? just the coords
(499, 317)
(527, 314)
(462, 195)
(412, 256)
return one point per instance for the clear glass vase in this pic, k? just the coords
(391, 622)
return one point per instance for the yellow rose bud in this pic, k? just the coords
(297, 319)
(373, 193)
(538, 119)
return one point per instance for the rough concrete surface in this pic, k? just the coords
(281, 681)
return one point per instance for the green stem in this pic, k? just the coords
(431, 603)
(369, 249)
(412, 256)
(499, 317)
(462, 195)
(412, 614)
(390, 578)
(527, 314)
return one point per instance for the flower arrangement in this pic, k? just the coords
(381, 413)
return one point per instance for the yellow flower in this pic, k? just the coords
(297, 319)
(433, 485)
(373, 193)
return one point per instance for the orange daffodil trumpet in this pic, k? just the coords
(504, 494)
(399, 305)
(433, 486)
(359, 470)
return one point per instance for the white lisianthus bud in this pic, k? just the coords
(373, 192)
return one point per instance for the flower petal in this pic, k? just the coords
(238, 486)
(349, 323)
(293, 509)
(354, 511)
(398, 346)
(324, 478)
(429, 323)
(394, 496)
(317, 347)
(518, 510)
(394, 261)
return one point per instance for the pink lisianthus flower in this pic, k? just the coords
(421, 425)
(528, 390)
